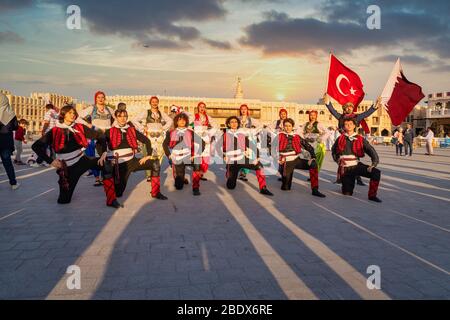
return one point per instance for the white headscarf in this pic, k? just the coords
(65, 126)
(6, 112)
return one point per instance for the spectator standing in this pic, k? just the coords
(8, 124)
(399, 141)
(429, 137)
(409, 140)
(19, 140)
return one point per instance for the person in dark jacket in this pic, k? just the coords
(408, 139)
(8, 124)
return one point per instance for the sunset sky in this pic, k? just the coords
(198, 48)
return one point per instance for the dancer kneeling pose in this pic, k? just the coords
(238, 155)
(68, 139)
(183, 141)
(290, 146)
(122, 142)
(347, 150)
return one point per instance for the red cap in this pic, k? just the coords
(282, 110)
(154, 97)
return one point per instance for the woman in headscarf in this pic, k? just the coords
(205, 127)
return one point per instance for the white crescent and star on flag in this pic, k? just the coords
(338, 85)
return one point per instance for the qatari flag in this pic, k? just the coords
(400, 96)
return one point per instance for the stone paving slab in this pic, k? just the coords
(232, 244)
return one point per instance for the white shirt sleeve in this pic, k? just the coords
(324, 133)
(47, 116)
(257, 124)
(168, 121)
(83, 114)
(300, 131)
(138, 119)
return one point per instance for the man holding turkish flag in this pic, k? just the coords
(345, 86)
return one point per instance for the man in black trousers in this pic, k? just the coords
(408, 139)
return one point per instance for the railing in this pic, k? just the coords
(438, 113)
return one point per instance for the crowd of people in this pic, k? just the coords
(105, 143)
(111, 146)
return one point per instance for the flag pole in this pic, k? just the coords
(328, 72)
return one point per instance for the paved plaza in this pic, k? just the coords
(231, 244)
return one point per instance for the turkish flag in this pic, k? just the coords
(344, 85)
(400, 96)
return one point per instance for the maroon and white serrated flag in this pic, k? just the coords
(400, 96)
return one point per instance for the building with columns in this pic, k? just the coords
(32, 108)
(438, 113)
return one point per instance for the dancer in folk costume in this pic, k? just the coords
(250, 126)
(205, 127)
(348, 149)
(69, 139)
(156, 135)
(119, 149)
(315, 134)
(239, 153)
(154, 118)
(98, 117)
(277, 127)
(290, 146)
(186, 151)
(349, 112)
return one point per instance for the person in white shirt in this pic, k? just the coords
(251, 127)
(429, 137)
(151, 117)
(99, 117)
(50, 118)
(205, 127)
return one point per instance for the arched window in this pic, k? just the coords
(322, 113)
(301, 112)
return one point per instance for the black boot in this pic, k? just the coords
(317, 193)
(243, 177)
(375, 199)
(115, 204)
(186, 181)
(359, 182)
(196, 192)
(160, 196)
(266, 192)
(203, 179)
